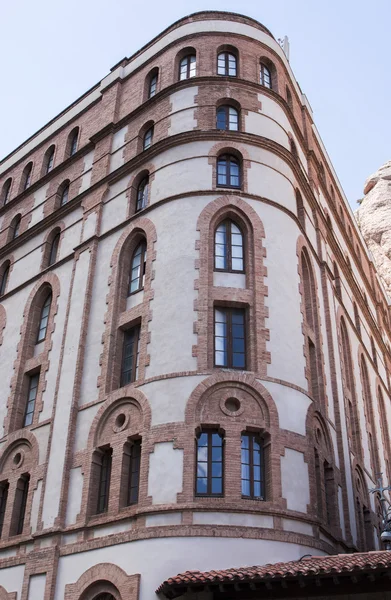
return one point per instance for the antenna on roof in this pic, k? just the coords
(284, 43)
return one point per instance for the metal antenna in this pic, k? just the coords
(386, 511)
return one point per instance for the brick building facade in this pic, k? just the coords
(194, 341)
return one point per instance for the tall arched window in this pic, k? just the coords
(227, 64)
(265, 77)
(337, 281)
(64, 193)
(44, 318)
(72, 142)
(300, 209)
(385, 433)
(289, 98)
(227, 118)
(4, 274)
(370, 421)
(365, 531)
(228, 171)
(349, 392)
(6, 191)
(374, 353)
(210, 463)
(152, 85)
(48, 160)
(293, 148)
(253, 466)
(26, 176)
(187, 67)
(326, 502)
(15, 227)
(356, 318)
(148, 138)
(229, 255)
(54, 249)
(137, 270)
(142, 194)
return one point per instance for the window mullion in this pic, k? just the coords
(229, 337)
(209, 463)
(229, 246)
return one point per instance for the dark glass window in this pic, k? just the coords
(226, 64)
(227, 118)
(187, 67)
(229, 247)
(134, 472)
(153, 85)
(50, 161)
(265, 76)
(64, 195)
(253, 481)
(209, 476)
(104, 480)
(228, 171)
(6, 191)
(54, 249)
(4, 280)
(4, 486)
(43, 321)
(230, 342)
(31, 397)
(142, 194)
(16, 227)
(21, 494)
(130, 353)
(73, 143)
(148, 137)
(137, 271)
(27, 176)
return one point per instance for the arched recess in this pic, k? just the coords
(365, 521)
(120, 423)
(104, 577)
(53, 237)
(33, 355)
(264, 61)
(139, 199)
(122, 315)
(251, 298)
(3, 322)
(369, 415)
(233, 404)
(187, 69)
(238, 152)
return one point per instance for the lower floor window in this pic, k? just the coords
(230, 343)
(130, 356)
(209, 476)
(253, 482)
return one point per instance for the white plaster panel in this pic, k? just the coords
(160, 396)
(65, 393)
(183, 98)
(333, 435)
(35, 506)
(134, 299)
(76, 478)
(96, 324)
(165, 477)
(39, 199)
(114, 212)
(24, 268)
(173, 518)
(69, 538)
(295, 480)
(37, 585)
(183, 152)
(112, 529)
(119, 138)
(85, 181)
(12, 579)
(42, 436)
(7, 553)
(297, 526)
(70, 239)
(88, 161)
(341, 512)
(292, 406)
(183, 120)
(176, 555)
(192, 174)
(227, 518)
(260, 124)
(268, 180)
(83, 426)
(89, 228)
(234, 280)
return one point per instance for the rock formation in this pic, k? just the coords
(374, 220)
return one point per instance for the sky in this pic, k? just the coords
(52, 52)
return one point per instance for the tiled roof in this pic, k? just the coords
(309, 566)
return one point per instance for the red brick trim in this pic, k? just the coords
(95, 580)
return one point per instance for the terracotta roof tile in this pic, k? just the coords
(310, 566)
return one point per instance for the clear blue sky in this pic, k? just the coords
(52, 52)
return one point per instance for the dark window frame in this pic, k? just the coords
(15, 225)
(227, 54)
(142, 194)
(105, 468)
(6, 190)
(209, 494)
(73, 142)
(23, 493)
(148, 138)
(54, 249)
(28, 170)
(134, 472)
(229, 159)
(135, 332)
(141, 276)
(225, 109)
(44, 318)
(152, 86)
(49, 161)
(265, 76)
(33, 385)
(189, 70)
(64, 198)
(4, 488)
(228, 248)
(229, 310)
(4, 280)
(254, 436)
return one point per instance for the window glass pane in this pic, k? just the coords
(257, 489)
(231, 65)
(217, 469)
(192, 66)
(217, 453)
(203, 439)
(221, 64)
(233, 119)
(245, 487)
(202, 486)
(217, 486)
(221, 118)
(217, 440)
(202, 469)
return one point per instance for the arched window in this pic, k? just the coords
(26, 176)
(48, 160)
(152, 83)
(72, 142)
(229, 254)
(374, 353)
(265, 77)
(322, 173)
(349, 392)
(364, 525)
(187, 67)
(227, 64)
(228, 171)
(44, 318)
(356, 318)
(15, 227)
(385, 433)
(64, 193)
(337, 281)
(6, 191)
(4, 274)
(4, 489)
(370, 421)
(289, 98)
(104, 596)
(210, 463)
(253, 466)
(19, 510)
(293, 148)
(142, 194)
(103, 460)
(137, 270)
(300, 209)
(227, 118)
(326, 503)
(54, 249)
(148, 138)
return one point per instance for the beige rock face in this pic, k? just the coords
(374, 220)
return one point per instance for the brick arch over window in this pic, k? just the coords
(233, 404)
(270, 65)
(132, 194)
(191, 68)
(122, 315)
(125, 417)
(220, 149)
(250, 298)
(47, 246)
(90, 584)
(365, 519)
(19, 464)
(26, 363)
